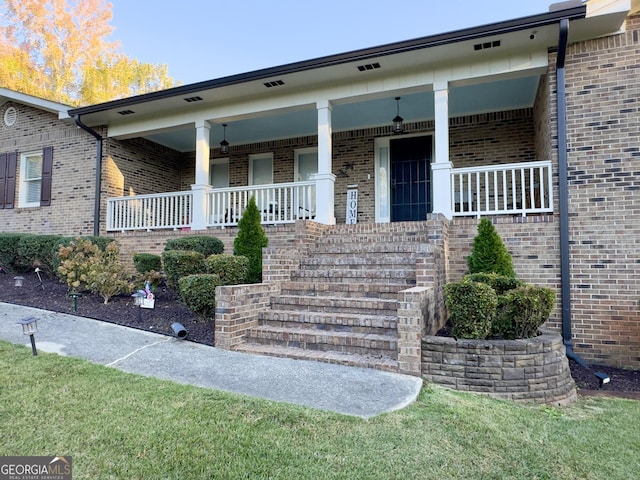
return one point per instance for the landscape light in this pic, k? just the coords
(29, 327)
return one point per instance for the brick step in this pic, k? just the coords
(363, 306)
(391, 261)
(343, 289)
(363, 248)
(377, 237)
(342, 342)
(348, 359)
(363, 275)
(330, 321)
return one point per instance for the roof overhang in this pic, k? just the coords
(465, 57)
(60, 109)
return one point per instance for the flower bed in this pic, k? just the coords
(529, 370)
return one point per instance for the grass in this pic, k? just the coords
(124, 426)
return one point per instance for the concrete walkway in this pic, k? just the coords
(348, 390)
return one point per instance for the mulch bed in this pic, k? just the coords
(52, 295)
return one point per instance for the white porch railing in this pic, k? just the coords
(515, 188)
(278, 203)
(149, 212)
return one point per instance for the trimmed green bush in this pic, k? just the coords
(38, 251)
(251, 240)
(231, 269)
(9, 250)
(489, 255)
(472, 307)
(180, 263)
(522, 311)
(146, 262)
(198, 292)
(205, 244)
(499, 283)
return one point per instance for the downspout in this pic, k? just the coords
(563, 195)
(96, 205)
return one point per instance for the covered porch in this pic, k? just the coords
(509, 189)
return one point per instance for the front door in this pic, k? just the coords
(410, 178)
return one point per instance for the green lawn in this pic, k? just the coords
(124, 426)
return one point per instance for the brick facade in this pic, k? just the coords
(73, 177)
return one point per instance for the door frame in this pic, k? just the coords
(382, 170)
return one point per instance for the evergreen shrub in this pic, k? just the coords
(180, 263)
(471, 307)
(231, 269)
(205, 244)
(9, 250)
(522, 311)
(146, 262)
(198, 292)
(489, 255)
(251, 240)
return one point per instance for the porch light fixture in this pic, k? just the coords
(29, 327)
(224, 145)
(398, 126)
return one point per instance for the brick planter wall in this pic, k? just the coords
(529, 370)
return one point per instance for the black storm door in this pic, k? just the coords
(410, 179)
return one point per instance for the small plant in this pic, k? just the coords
(251, 240)
(205, 244)
(471, 307)
(231, 269)
(180, 263)
(146, 262)
(105, 275)
(522, 311)
(489, 255)
(198, 292)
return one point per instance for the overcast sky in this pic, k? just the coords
(206, 39)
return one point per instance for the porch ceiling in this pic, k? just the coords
(464, 100)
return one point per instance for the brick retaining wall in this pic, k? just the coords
(529, 370)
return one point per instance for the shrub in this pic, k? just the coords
(489, 255)
(522, 311)
(231, 269)
(180, 263)
(75, 262)
(146, 262)
(251, 240)
(499, 283)
(472, 307)
(105, 275)
(198, 292)
(206, 245)
(38, 251)
(100, 242)
(8, 250)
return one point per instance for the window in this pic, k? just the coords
(30, 179)
(261, 169)
(219, 173)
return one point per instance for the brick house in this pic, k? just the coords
(533, 121)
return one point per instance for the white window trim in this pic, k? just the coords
(259, 156)
(22, 198)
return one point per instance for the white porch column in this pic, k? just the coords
(201, 186)
(325, 180)
(441, 168)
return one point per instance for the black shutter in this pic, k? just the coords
(45, 183)
(4, 159)
(8, 167)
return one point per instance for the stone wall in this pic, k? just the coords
(532, 370)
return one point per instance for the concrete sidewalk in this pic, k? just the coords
(348, 390)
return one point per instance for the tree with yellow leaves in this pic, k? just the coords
(59, 50)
